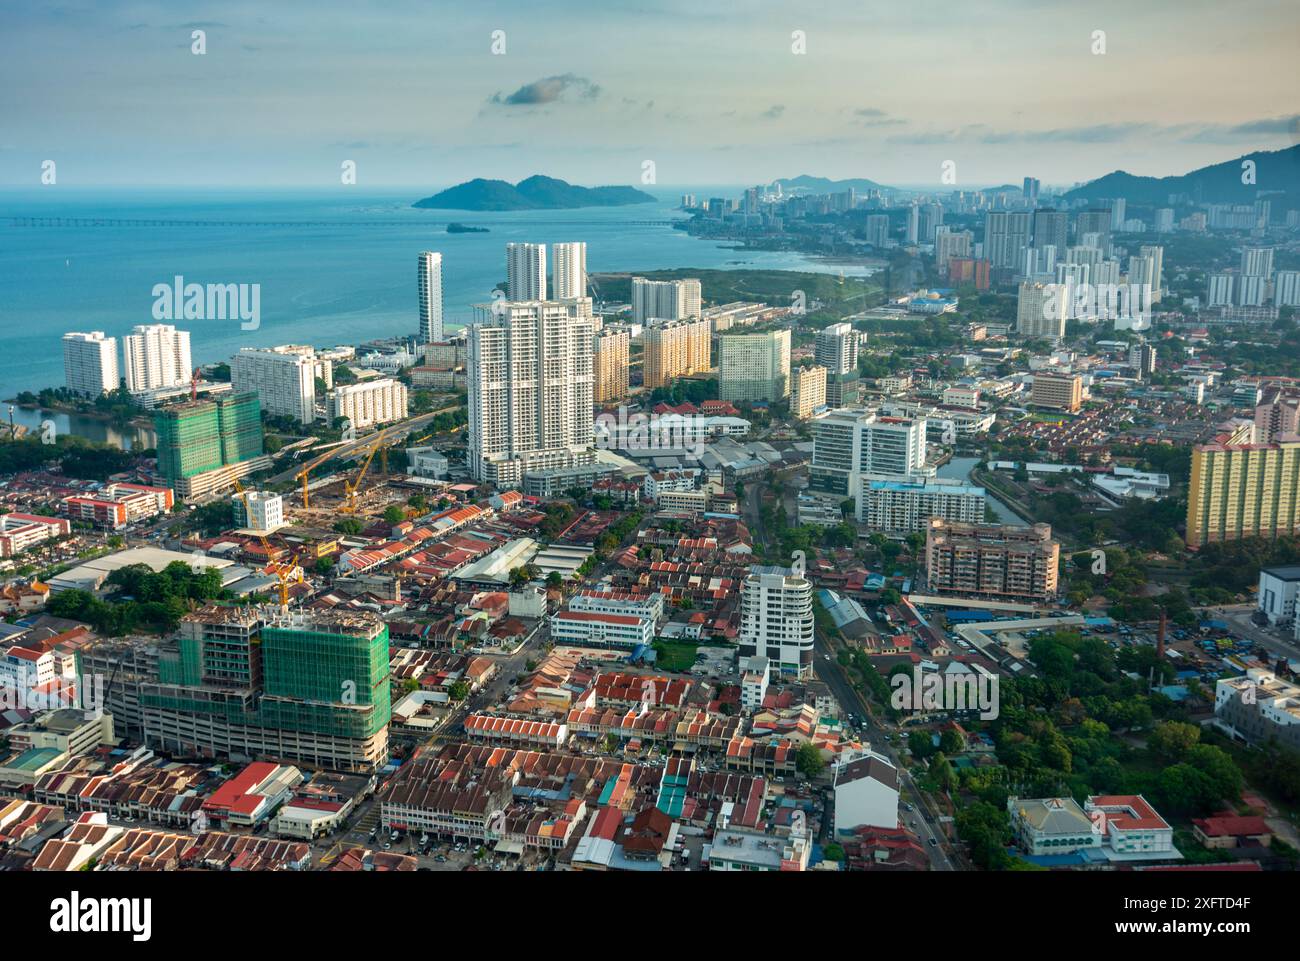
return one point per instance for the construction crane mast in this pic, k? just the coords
(282, 588)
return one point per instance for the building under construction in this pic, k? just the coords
(251, 683)
(206, 445)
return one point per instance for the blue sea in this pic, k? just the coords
(334, 267)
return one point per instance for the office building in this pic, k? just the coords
(368, 402)
(754, 367)
(530, 389)
(675, 348)
(304, 687)
(114, 506)
(1057, 392)
(897, 508)
(428, 279)
(991, 560)
(156, 356)
(205, 446)
(525, 272)
(610, 364)
(90, 363)
(853, 442)
(283, 378)
(1243, 490)
(836, 348)
(569, 270)
(1142, 357)
(665, 299)
(776, 619)
(807, 391)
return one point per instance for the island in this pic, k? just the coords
(535, 193)
(466, 229)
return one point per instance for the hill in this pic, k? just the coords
(535, 193)
(805, 183)
(1275, 170)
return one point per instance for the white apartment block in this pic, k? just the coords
(569, 270)
(754, 367)
(156, 356)
(962, 396)
(1038, 312)
(665, 299)
(284, 379)
(1286, 288)
(659, 482)
(776, 618)
(589, 629)
(429, 284)
(836, 348)
(90, 363)
(619, 602)
(526, 272)
(530, 389)
(259, 510)
(854, 441)
(898, 508)
(368, 403)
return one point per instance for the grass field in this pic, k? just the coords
(675, 655)
(774, 287)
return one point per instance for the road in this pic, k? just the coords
(393, 434)
(924, 819)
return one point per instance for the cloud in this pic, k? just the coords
(547, 90)
(1285, 126)
(774, 111)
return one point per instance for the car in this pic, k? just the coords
(934, 842)
(387, 845)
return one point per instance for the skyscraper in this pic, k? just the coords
(569, 265)
(852, 443)
(526, 272)
(675, 348)
(429, 282)
(1005, 233)
(610, 364)
(1051, 227)
(776, 618)
(155, 356)
(1243, 490)
(530, 389)
(1041, 310)
(836, 348)
(90, 363)
(664, 299)
(205, 445)
(284, 379)
(754, 367)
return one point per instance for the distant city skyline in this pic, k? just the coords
(412, 95)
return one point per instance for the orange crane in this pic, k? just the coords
(282, 589)
(352, 486)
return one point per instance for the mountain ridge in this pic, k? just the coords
(532, 193)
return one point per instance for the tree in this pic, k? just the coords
(920, 744)
(348, 525)
(458, 691)
(808, 760)
(555, 579)
(394, 514)
(1170, 741)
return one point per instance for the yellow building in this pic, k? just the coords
(807, 391)
(1057, 391)
(675, 349)
(1243, 490)
(610, 362)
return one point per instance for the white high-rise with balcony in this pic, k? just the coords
(368, 403)
(837, 348)
(526, 272)
(569, 270)
(155, 356)
(530, 389)
(429, 282)
(90, 363)
(665, 299)
(284, 379)
(776, 618)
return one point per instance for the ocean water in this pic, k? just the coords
(334, 267)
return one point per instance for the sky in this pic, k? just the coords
(737, 92)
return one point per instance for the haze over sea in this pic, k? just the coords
(332, 280)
